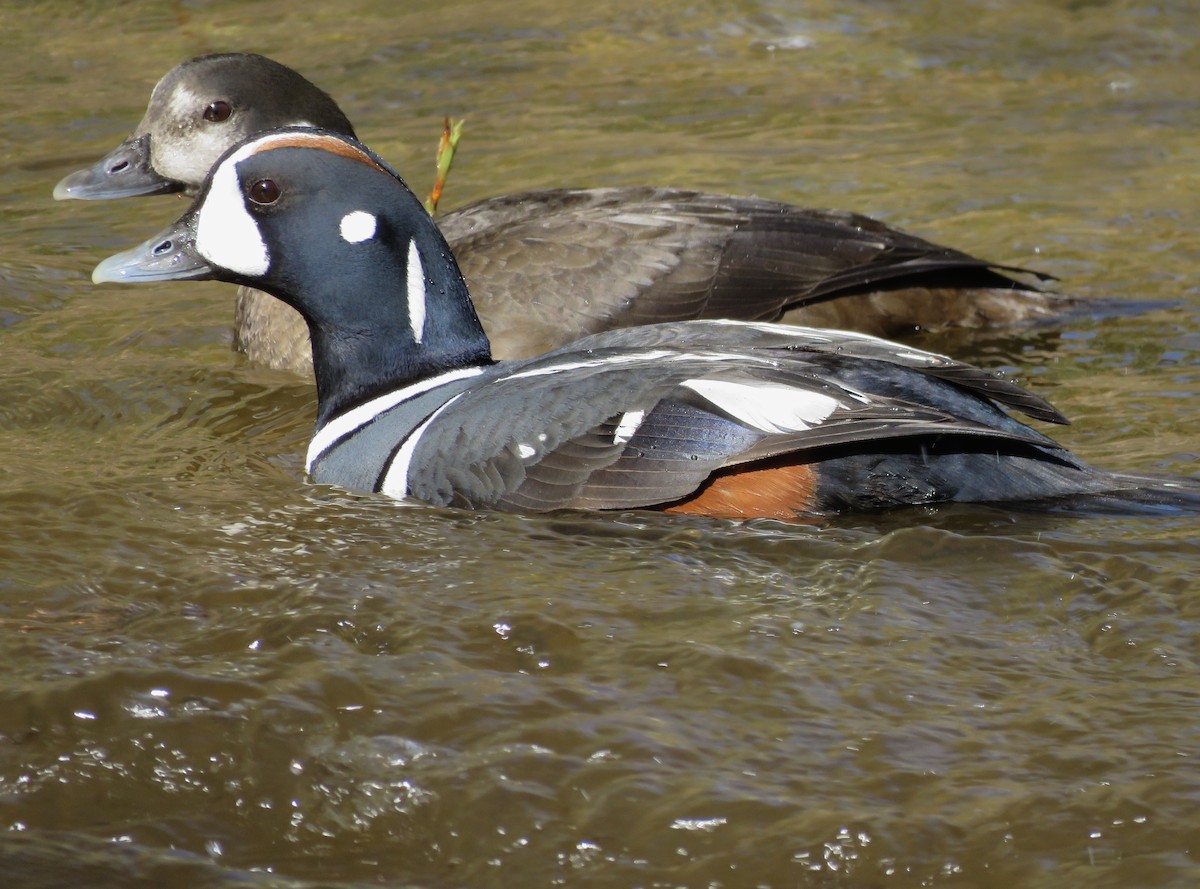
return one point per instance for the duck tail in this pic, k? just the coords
(1136, 494)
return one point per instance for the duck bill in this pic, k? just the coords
(168, 256)
(125, 172)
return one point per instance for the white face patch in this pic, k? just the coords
(357, 226)
(416, 292)
(226, 234)
(767, 407)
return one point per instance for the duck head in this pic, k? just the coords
(321, 222)
(198, 110)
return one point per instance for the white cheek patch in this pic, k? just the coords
(357, 226)
(766, 407)
(416, 292)
(226, 234)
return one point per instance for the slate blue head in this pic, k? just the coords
(324, 224)
(197, 110)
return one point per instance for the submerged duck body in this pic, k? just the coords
(709, 417)
(547, 267)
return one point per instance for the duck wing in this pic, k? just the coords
(614, 428)
(580, 261)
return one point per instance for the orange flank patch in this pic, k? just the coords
(773, 492)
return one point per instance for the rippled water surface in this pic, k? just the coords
(216, 674)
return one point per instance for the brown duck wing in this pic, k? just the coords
(547, 267)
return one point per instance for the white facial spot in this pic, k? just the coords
(771, 408)
(186, 103)
(630, 421)
(226, 234)
(525, 451)
(357, 226)
(182, 145)
(416, 292)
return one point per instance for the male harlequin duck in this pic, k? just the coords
(717, 418)
(548, 267)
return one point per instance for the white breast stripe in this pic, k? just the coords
(416, 291)
(630, 421)
(395, 481)
(343, 424)
(771, 408)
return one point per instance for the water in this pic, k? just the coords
(216, 674)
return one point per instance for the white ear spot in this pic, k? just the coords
(357, 226)
(416, 292)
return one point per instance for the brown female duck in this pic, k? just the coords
(547, 267)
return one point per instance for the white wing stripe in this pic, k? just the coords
(640, 358)
(771, 408)
(630, 422)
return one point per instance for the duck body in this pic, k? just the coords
(674, 416)
(711, 417)
(547, 267)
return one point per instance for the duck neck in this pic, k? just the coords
(355, 366)
(390, 321)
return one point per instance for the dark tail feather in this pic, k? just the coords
(1132, 494)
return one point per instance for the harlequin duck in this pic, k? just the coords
(716, 418)
(548, 267)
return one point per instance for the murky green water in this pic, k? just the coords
(215, 674)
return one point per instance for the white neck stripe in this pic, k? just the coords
(416, 291)
(343, 424)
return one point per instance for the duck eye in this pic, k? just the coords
(218, 111)
(263, 191)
